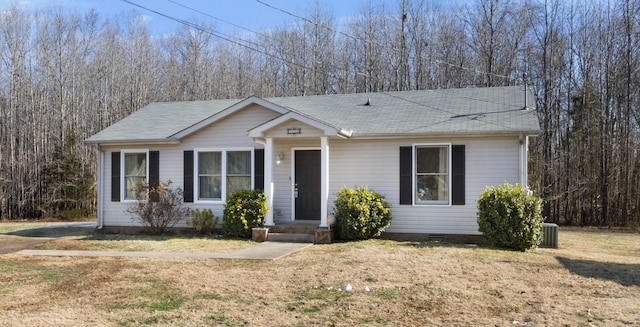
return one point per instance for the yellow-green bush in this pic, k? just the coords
(510, 217)
(243, 211)
(361, 214)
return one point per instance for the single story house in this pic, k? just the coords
(431, 153)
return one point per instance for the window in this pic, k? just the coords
(210, 175)
(135, 170)
(238, 171)
(222, 172)
(432, 176)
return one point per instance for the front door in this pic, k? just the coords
(307, 184)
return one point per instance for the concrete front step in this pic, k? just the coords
(291, 237)
(293, 234)
(301, 229)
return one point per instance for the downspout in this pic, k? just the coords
(525, 167)
(100, 209)
(522, 166)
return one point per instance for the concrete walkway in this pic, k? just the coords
(260, 251)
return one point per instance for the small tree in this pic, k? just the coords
(243, 211)
(510, 217)
(68, 182)
(158, 208)
(361, 214)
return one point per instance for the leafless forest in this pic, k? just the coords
(66, 75)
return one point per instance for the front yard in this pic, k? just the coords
(592, 279)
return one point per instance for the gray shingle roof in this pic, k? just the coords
(471, 111)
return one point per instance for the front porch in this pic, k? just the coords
(296, 185)
(296, 170)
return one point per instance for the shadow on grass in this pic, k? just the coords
(623, 274)
(89, 232)
(55, 231)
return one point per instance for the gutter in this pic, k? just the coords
(529, 133)
(131, 142)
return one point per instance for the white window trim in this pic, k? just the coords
(223, 177)
(414, 174)
(123, 184)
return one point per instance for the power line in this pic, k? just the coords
(229, 38)
(377, 43)
(216, 18)
(212, 33)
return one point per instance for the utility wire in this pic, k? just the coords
(215, 34)
(377, 43)
(226, 37)
(216, 18)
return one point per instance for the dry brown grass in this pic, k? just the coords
(592, 279)
(123, 242)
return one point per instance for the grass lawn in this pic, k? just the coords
(592, 279)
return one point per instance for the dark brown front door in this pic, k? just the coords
(307, 184)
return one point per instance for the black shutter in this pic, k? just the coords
(115, 176)
(154, 174)
(406, 189)
(457, 177)
(258, 177)
(188, 176)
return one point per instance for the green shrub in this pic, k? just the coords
(361, 214)
(243, 210)
(510, 217)
(203, 221)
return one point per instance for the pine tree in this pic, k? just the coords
(68, 181)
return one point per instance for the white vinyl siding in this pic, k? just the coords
(375, 164)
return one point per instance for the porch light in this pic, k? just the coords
(279, 157)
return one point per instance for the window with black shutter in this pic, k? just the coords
(427, 177)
